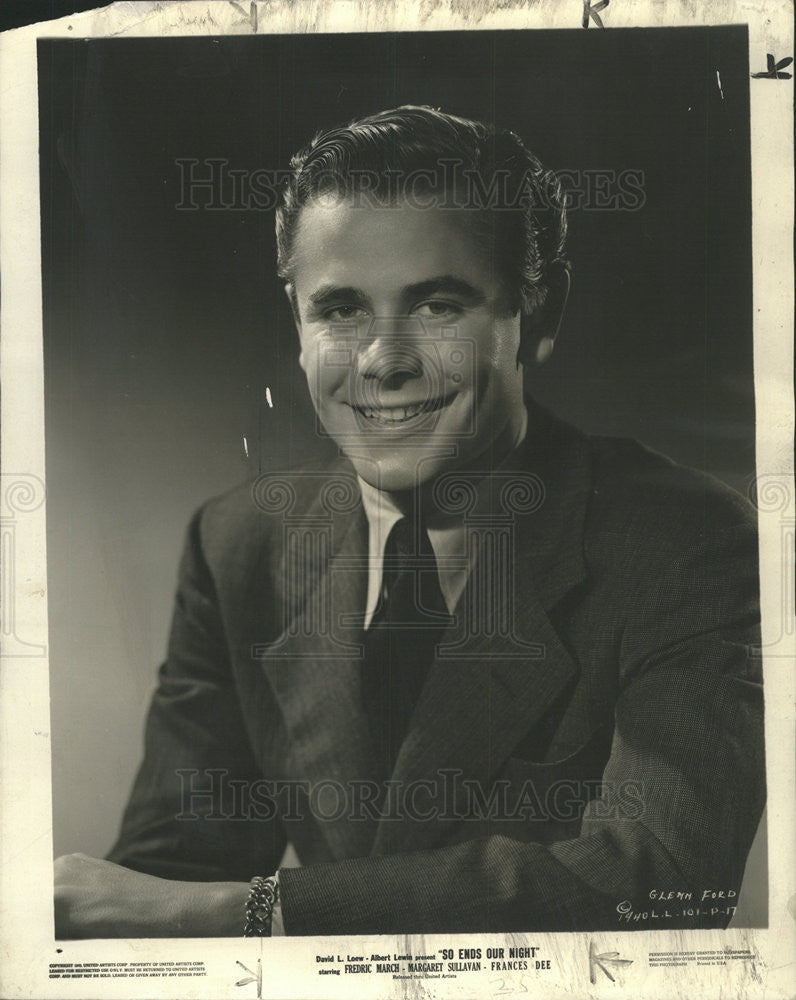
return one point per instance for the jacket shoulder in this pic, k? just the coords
(640, 492)
(675, 549)
(252, 513)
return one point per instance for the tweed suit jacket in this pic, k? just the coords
(600, 740)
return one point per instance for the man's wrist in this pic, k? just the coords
(216, 909)
(212, 909)
(230, 902)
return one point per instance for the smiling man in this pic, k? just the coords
(484, 673)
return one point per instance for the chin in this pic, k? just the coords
(397, 477)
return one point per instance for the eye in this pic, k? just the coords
(344, 314)
(437, 309)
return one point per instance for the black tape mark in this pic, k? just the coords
(774, 71)
(592, 13)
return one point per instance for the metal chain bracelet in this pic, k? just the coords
(263, 894)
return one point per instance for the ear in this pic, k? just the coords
(539, 329)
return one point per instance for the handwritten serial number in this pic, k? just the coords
(627, 914)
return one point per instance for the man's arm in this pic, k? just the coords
(185, 853)
(182, 820)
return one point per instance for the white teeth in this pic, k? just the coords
(398, 414)
(392, 414)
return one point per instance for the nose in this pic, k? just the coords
(391, 354)
(388, 364)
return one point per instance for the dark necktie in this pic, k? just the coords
(400, 642)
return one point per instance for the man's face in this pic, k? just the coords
(410, 356)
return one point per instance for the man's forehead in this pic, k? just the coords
(338, 242)
(322, 219)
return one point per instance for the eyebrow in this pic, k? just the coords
(441, 283)
(446, 283)
(327, 294)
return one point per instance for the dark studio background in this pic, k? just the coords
(163, 327)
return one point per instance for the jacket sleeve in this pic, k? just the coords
(183, 820)
(688, 732)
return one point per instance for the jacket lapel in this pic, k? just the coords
(314, 669)
(485, 692)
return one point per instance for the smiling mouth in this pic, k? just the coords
(395, 416)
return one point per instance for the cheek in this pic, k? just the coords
(508, 339)
(308, 359)
(325, 367)
(497, 347)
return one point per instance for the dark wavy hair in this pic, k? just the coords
(517, 204)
